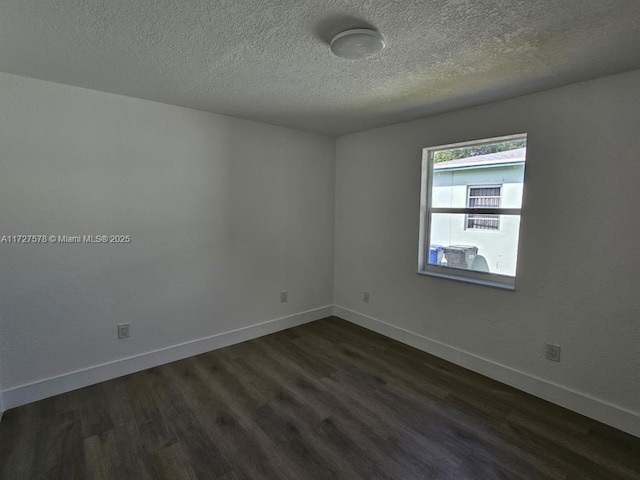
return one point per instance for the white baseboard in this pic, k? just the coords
(600, 410)
(613, 415)
(31, 392)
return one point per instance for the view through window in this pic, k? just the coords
(484, 197)
(471, 208)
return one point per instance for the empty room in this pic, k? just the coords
(282, 239)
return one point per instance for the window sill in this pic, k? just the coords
(462, 278)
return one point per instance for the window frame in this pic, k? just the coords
(426, 211)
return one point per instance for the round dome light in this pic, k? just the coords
(357, 43)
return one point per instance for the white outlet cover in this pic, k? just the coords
(123, 330)
(553, 352)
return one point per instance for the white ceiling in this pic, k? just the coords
(269, 60)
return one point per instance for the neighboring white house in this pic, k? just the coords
(492, 180)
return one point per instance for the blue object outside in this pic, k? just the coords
(435, 254)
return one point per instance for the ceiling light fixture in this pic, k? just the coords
(357, 43)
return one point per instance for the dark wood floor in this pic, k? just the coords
(325, 400)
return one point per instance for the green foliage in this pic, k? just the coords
(472, 151)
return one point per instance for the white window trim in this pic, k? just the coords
(426, 211)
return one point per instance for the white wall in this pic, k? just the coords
(223, 213)
(579, 259)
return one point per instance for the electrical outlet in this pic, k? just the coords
(123, 330)
(553, 352)
(365, 297)
(284, 296)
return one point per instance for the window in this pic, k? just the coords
(471, 201)
(480, 197)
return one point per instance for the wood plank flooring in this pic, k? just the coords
(326, 400)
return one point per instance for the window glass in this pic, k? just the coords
(471, 209)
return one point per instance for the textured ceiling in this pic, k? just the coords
(269, 60)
